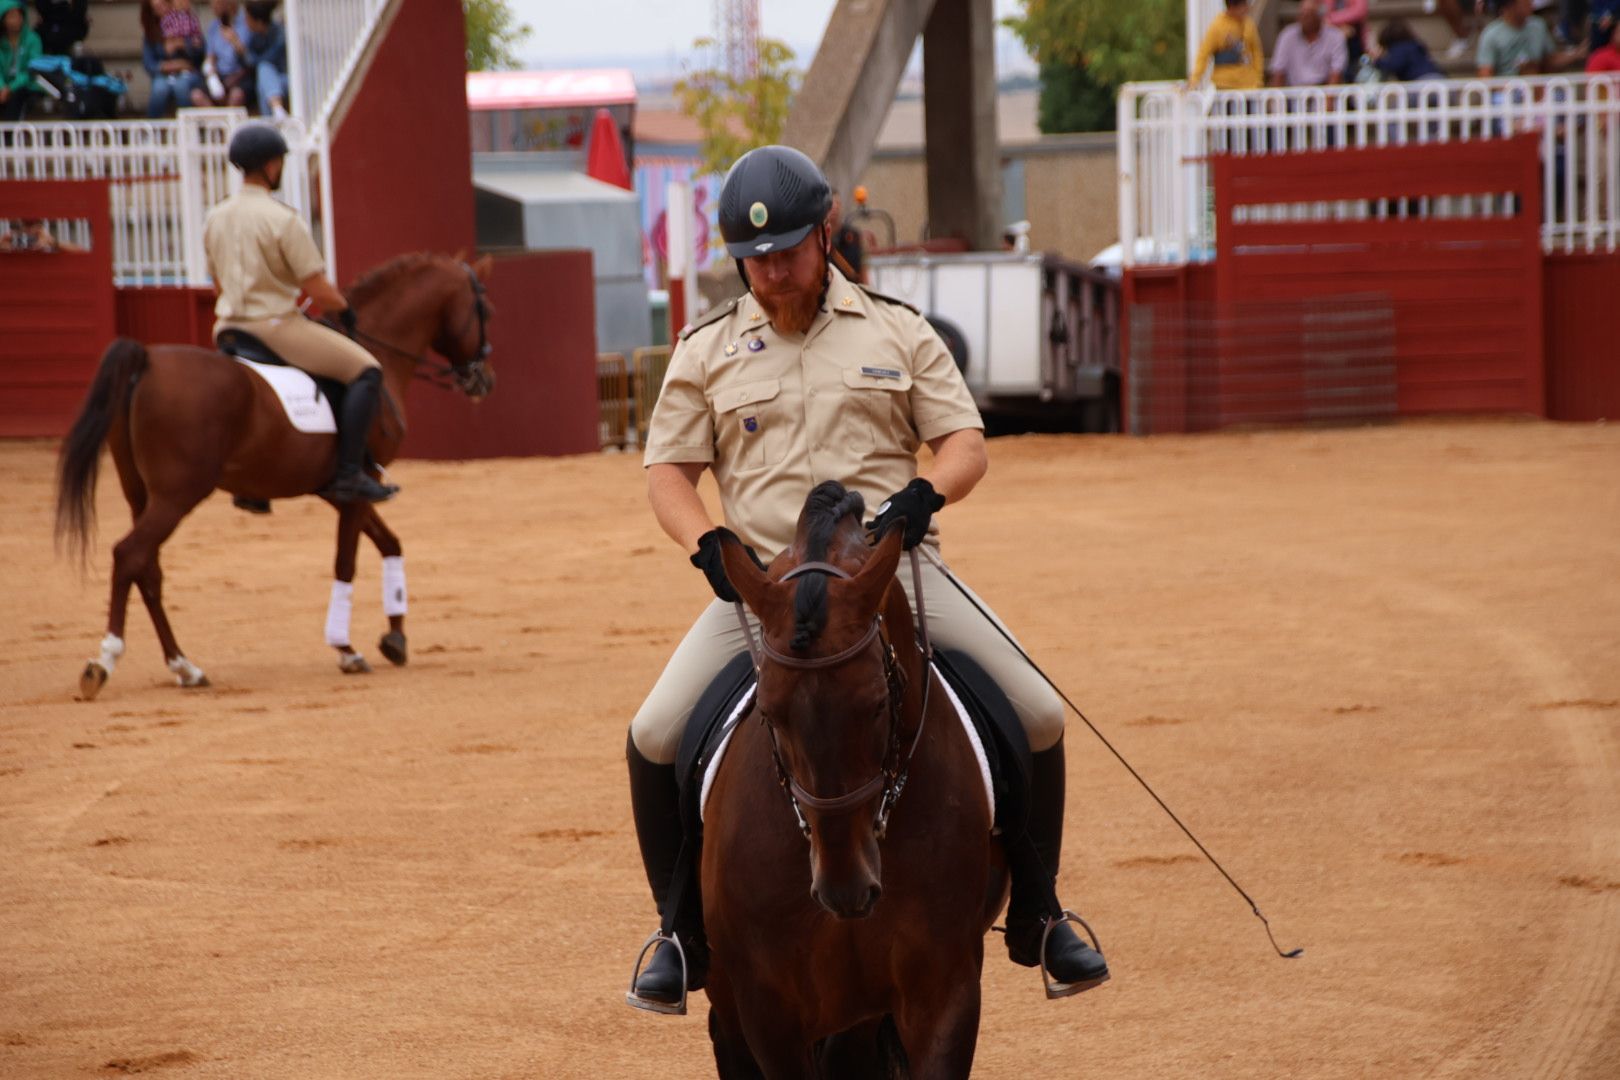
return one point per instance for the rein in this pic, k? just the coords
(447, 376)
(890, 780)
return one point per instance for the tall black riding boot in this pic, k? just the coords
(1070, 962)
(655, 804)
(360, 401)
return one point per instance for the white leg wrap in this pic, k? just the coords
(393, 585)
(338, 610)
(188, 673)
(112, 647)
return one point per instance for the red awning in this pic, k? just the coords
(493, 90)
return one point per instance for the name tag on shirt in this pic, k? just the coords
(882, 372)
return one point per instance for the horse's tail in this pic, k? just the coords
(79, 462)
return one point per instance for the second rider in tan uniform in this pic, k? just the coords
(261, 255)
(804, 379)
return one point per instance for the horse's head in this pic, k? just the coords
(416, 301)
(832, 687)
(463, 334)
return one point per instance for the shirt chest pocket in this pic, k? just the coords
(881, 416)
(751, 424)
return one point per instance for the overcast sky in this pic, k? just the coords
(585, 31)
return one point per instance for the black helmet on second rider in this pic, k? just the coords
(256, 145)
(772, 198)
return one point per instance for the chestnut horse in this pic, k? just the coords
(181, 421)
(846, 922)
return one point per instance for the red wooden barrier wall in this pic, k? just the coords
(1467, 292)
(1583, 337)
(56, 308)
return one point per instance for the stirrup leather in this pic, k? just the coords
(634, 1000)
(1055, 989)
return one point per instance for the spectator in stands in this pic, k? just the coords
(18, 45)
(1232, 44)
(1308, 52)
(1401, 56)
(266, 57)
(62, 24)
(175, 76)
(1349, 17)
(227, 80)
(1605, 18)
(182, 30)
(1518, 43)
(1461, 26)
(1606, 57)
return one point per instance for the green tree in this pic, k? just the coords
(1088, 48)
(493, 35)
(736, 115)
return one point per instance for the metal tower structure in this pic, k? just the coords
(736, 34)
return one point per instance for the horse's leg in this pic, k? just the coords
(776, 1041)
(732, 1059)
(341, 606)
(135, 562)
(392, 643)
(939, 1032)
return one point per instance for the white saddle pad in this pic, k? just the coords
(961, 715)
(306, 408)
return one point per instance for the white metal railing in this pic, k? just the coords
(1167, 135)
(165, 176)
(325, 39)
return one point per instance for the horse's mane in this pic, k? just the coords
(824, 511)
(380, 279)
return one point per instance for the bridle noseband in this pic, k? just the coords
(891, 777)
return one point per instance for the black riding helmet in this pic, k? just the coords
(772, 198)
(256, 145)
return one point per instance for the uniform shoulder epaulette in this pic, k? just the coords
(713, 315)
(887, 299)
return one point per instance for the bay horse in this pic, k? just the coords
(846, 923)
(181, 421)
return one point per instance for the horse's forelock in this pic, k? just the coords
(825, 513)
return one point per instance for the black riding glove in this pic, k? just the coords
(349, 320)
(915, 505)
(708, 560)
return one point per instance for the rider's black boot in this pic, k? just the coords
(1070, 962)
(655, 805)
(360, 401)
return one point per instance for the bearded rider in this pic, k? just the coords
(805, 378)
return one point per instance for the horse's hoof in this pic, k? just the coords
(353, 664)
(93, 678)
(393, 647)
(188, 675)
(200, 682)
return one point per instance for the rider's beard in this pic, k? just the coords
(793, 309)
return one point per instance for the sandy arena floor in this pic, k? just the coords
(1377, 670)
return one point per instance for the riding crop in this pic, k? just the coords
(1254, 907)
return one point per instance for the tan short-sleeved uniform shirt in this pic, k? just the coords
(774, 415)
(258, 252)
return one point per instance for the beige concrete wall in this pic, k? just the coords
(1071, 192)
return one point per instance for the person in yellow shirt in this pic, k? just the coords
(1232, 42)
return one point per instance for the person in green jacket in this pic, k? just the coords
(18, 45)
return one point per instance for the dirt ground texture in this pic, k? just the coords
(1375, 669)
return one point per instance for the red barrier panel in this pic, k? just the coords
(544, 333)
(1583, 337)
(56, 307)
(1466, 291)
(173, 316)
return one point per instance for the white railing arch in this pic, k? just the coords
(1167, 134)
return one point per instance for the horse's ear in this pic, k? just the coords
(752, 584)
(460, 256)
(871, 582)
(483, 267)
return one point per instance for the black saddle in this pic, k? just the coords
(240, 343)
(1005, 745)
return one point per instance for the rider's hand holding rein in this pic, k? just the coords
(319, 288)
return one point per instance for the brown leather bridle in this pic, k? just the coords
(890, 780)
